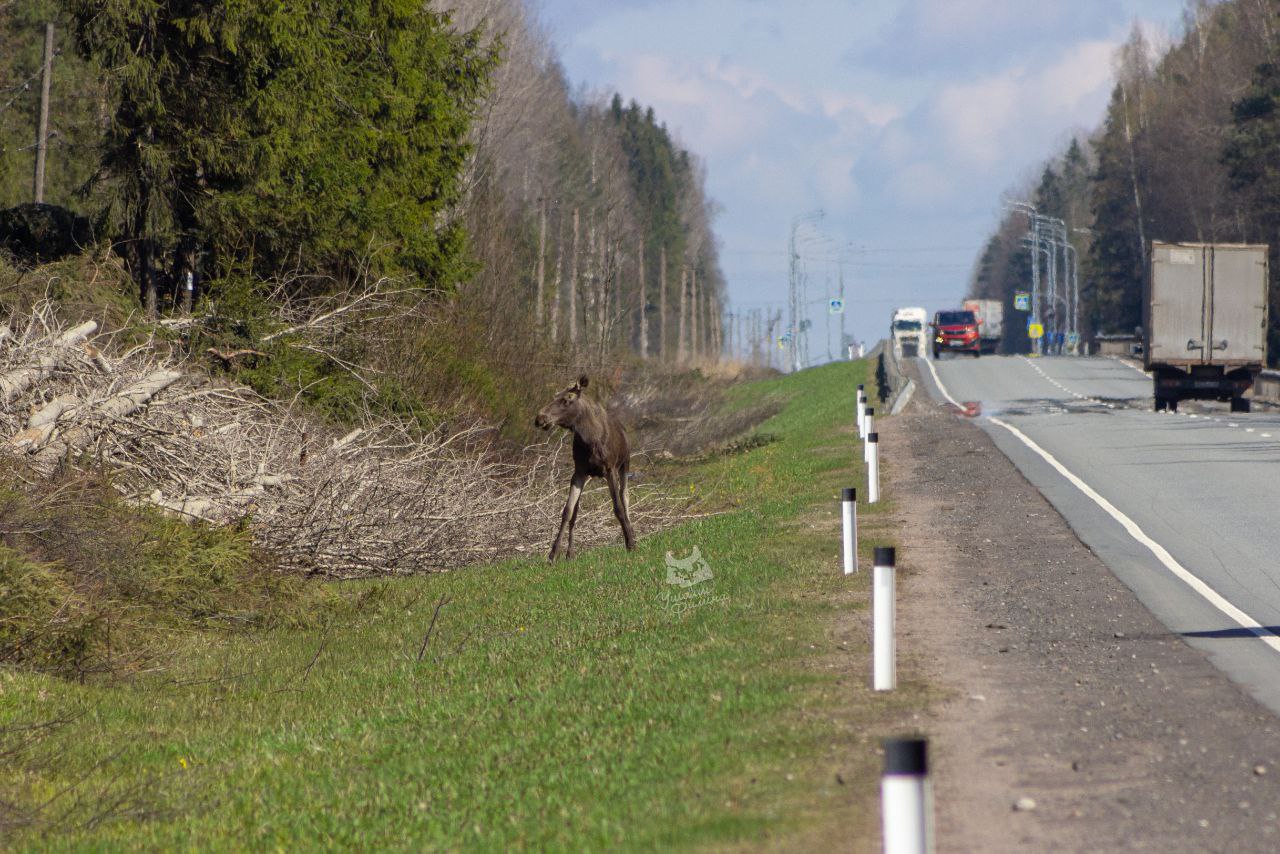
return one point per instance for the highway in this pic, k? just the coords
(1183, 507)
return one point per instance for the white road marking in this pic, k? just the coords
(1210, 595)
(1076, 394)
(1130, 365)
(937, 379)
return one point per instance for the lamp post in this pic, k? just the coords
(1033, 217)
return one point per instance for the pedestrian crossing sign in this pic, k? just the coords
(1022, 301)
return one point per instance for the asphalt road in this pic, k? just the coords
(1193, 523)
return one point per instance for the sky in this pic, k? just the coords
(903, 122)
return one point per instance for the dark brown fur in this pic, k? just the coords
(600, 449)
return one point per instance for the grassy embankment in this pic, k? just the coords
(563, 706)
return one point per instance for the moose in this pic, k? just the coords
(600, 449)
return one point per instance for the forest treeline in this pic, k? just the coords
(1189, 150)
(238, 155)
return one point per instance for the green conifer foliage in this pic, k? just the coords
(1113, 286)
(323, 137)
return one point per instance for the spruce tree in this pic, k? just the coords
(323, 137)
(1112, 285)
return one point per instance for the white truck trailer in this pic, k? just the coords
(1205, 322)
(990, 315)
(909, 332)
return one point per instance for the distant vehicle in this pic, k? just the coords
(908, 331)
(1205, 322)
(990, 314)
(957, 332)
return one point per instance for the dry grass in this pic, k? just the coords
(384, 498)
(684, 414)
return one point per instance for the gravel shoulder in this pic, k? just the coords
(1059, 687)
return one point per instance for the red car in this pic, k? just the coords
(956, 331)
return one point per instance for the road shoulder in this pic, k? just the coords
(1061, 688)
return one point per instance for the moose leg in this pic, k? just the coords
(567, 516)
(618, 492)
(573, 520)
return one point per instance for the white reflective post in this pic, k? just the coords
(868, 425)
(883, 615)
(862, 412)
(906, 797)
(849, 500)
(873, 468)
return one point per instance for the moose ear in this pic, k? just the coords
(582, 381)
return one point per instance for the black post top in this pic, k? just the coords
(886, 555)
(848, 494)
(908, 756)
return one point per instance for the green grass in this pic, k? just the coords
(561, 707)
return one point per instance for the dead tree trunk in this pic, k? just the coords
(681, 353)
(541, 271)
(695, 346)
(558, 285)
(15, 383)
(662, 306)
(112, 409)
(573, 285)
(644, 321)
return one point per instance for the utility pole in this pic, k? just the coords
(795, 306)
(793, 301)
(42, 133)
(1035, 278)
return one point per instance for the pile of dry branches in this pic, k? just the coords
(384, 498)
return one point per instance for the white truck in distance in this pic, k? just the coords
(908, 331)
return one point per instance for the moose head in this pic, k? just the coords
(564, 408)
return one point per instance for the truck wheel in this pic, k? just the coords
(1240, 404)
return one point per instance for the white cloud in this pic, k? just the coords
(903, 119)
(979, 133)
(974, 117)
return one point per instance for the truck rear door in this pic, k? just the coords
(1178, 301)
(1237, 321)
